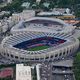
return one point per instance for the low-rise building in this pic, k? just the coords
(26, 14)
(61, 13)
(23, 72)
(26, 5)
(7, 1)
(6, 24)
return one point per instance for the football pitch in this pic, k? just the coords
(37, 48)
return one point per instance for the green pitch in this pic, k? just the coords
(38, 48)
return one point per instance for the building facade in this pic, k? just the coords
(23, 72)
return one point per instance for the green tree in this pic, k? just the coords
(77, 13)
(76, 66)
(51, 6)
(14, 6)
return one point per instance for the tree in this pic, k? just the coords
(76, 66)
(51, 6)
(77, 13)
(14, 6)
(1, 1)
(77, 10)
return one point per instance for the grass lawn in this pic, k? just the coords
(38, 48)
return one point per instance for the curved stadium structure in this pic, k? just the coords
(30, 43)
(41, 24)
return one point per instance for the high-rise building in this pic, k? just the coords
(23, 72)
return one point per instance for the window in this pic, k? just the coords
(7, 54)
(70, 50)
(4, 54)
(47, 57)
(41, 58)
(31, 59)
(63, 53)
(56, 55)
(26, 58)
(16, 57)
(60, 54)
(12, 56)
(21, 58)
(36, 58)
(51, 56)
(67, 51)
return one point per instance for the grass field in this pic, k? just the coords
(38, 48)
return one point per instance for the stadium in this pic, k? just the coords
(41, 24)
(39, 39)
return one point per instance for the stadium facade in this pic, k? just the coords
(36, 32)
(41, 24)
